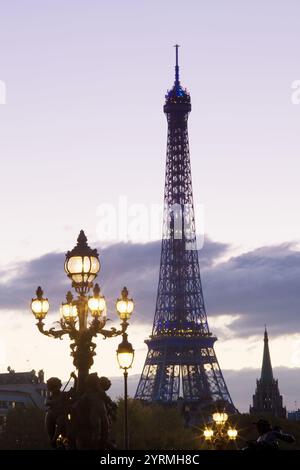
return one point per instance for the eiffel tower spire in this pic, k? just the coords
(177, 82)
(181, 360)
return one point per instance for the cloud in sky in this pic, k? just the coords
(260, 286)
(133, 264)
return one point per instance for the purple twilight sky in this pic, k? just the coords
(83, 126)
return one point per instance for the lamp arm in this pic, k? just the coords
(53, 333)
(97, 328)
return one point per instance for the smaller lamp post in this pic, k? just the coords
(220, 432)
(125, 353)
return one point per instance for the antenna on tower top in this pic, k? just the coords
(176, 66)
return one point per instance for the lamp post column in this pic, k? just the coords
(125, 355)
(126, 437)
(82, 347)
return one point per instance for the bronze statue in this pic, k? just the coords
(58, 411)
(80, 422)
(90, 418)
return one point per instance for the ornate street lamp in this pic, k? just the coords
(220, 432)
(125, 354)
(82, 266)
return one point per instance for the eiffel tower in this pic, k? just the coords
(181, 361)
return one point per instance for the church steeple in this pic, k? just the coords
(266, 370)
(267, 399)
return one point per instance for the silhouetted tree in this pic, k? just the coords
(154, 427)
(24, 429)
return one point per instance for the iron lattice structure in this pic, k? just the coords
(181, 360)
